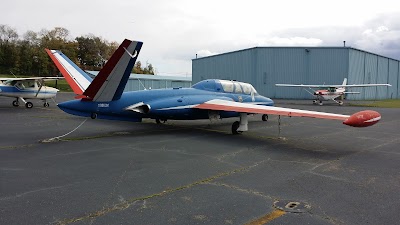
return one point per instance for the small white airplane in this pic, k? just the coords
(330, 92)
(28, 88)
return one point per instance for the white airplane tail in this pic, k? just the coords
(344, 82)
(77, 79)
(112, 78)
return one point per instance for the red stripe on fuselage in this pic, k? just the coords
(75, 87)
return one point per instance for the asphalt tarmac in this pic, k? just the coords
(310, 171)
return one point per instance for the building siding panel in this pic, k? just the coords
(356, 73)
(393, 79)
(382, 78)
(263, 67)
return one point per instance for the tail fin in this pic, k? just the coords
(112, 78)
(344, 82)
(76, 77)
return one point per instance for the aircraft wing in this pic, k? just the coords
(330, 86)
(303, 85)
(359, 119)
(365, 85)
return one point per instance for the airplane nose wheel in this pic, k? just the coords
(264, 117)
(46, 104)
(15, 103)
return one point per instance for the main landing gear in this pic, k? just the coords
(239, 126)
(159, 121)
(319, 102)
(28, 105)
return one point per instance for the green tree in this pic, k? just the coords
(9, 57)
(27, 56)
(138, 69)
(93, 51)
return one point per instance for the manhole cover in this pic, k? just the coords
(292, 206)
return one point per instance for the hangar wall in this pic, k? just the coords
(264, 67)
(138, 82)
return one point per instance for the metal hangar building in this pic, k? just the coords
(264, 67)
(138, 82)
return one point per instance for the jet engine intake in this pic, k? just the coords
(139, 108)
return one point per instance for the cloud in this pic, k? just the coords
(205, 53)
(290, 41)
(381, 35)
(174, 31)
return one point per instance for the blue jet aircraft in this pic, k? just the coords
(103, 97)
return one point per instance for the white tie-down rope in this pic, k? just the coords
(54, 139)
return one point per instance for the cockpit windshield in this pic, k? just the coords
(237, 87)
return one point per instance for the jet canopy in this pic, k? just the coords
(227, 86)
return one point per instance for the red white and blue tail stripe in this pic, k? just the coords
(112, 78)
(76, 77)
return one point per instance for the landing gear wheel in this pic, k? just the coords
(159, 121)
(46, 104)
(93, 115)
(264, 117)
(340, 103)
(15, 103)
(28, 105)
(314, 101)
(320, 103)
(235, 126)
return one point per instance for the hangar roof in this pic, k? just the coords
(288, 47)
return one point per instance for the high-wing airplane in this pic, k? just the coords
(103, 98)
(28, 88)
(330, 92)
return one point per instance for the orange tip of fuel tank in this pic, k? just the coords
(363, 119)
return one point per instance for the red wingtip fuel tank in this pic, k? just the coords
(363, 119)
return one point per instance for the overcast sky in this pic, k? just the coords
(173, 31)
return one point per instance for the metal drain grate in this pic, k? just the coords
(292, 206)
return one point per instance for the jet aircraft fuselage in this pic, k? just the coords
(174, 103)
